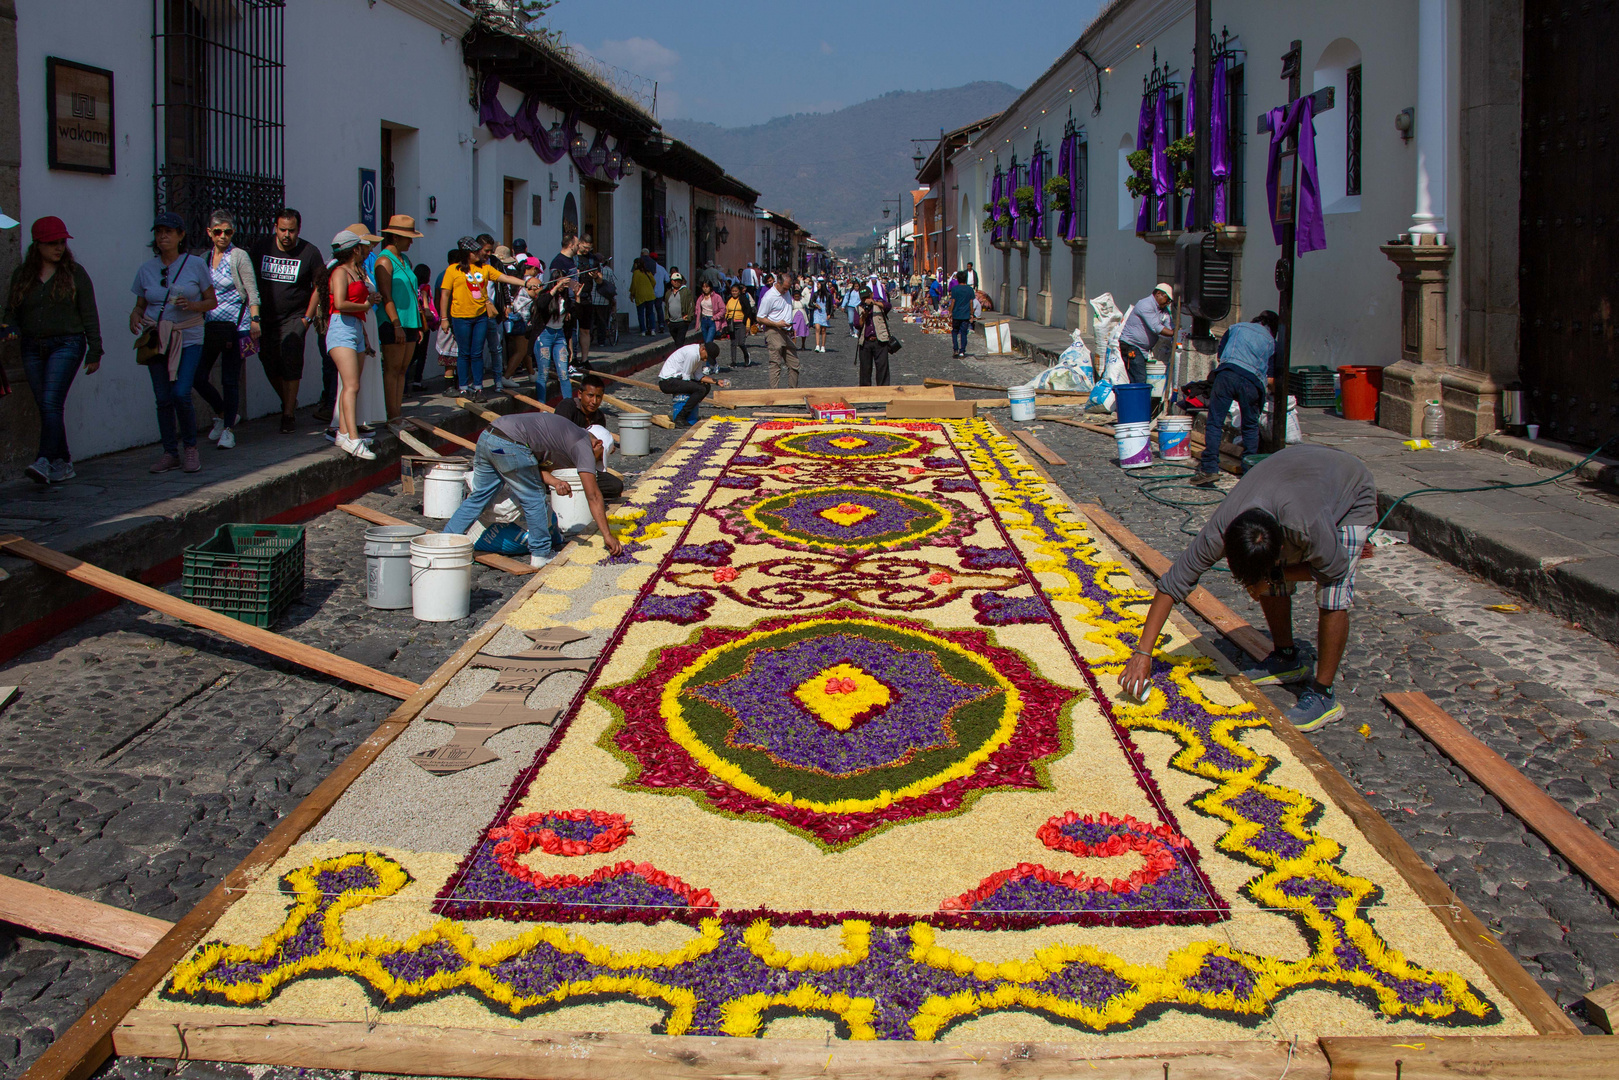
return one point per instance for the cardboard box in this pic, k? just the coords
(833, 410)
(921, 409)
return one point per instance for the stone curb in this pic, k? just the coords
(1558, 456)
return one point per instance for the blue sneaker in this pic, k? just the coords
(1277, 669)
(1314, 710)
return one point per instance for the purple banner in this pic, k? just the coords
(1037, 178)
(1311, 231)
(1144, 142)
(1162, 182)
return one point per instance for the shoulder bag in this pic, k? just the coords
(148, 350)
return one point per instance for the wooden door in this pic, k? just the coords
(506, 211)
(1566, 225)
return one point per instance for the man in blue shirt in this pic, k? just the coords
(1242, 376)
(1148, 320)
(961, 314)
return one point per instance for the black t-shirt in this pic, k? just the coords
(287, 279)
(563, 264)
(571, 409)
(587, 291)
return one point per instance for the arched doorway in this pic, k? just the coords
(570, 216)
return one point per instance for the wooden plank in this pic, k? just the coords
(1602, 1007)
(623, 379)
(533, 403)
(1453, 1057)
(1230, 459)
(487, 415)
(416, 444)
(1570, 837)
(1003, 389)
(64, 915)
(1200, 600)
(295, 652)
(81, 1049)
(448, 436)
(490, 559)
(1032, 441)
(854, 395)
(6, 694)
(907, 409)
(1003, 403)
(622, 406)
(519, 1054)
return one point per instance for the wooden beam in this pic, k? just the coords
(1003, 389)
(223, 625)
(6, 694)
(1097, 428)
(416, 444)
(854, 395)
(486, 415)
(488, 558)
(64, 915)
(621, 379)
(1570, 837)
(519, 1054)
(1602, 1007)
(1042, 399)
(1029, 439)
(622, 406)
(448, 436)
(1200, 600)
(1454, 1057)
(533, 403)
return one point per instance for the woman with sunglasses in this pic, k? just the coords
(228, 328)
(52, 305)
(173, 291)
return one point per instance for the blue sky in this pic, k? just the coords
(743, 63)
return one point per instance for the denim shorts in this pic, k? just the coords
(345, 332)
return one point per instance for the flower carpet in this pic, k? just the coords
(853, 763)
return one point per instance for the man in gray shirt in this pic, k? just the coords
(1147, 322)
(520, 451)
(1304, 514)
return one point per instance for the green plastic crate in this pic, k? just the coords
(252, 573)
(1312, 386)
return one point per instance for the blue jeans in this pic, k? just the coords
(646, 316)
(959, 328)
(176, 416)
(50, 364)
(494, 339)
(551, 352)
(708, 329)
(469, 335)
(1231, 385)
(500, 461)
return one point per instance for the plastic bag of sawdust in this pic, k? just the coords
(508, 538)
(1072, 371)
(1105, 330)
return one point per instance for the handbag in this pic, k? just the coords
(894, 345)
(148, 350)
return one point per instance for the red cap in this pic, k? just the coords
(49, 229)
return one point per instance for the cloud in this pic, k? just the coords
(826, 48)
(643, 56)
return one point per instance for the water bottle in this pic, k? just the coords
(1433, 421)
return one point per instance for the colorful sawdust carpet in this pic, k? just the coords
(851, 752)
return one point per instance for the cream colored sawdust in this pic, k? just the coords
(1022, 1025)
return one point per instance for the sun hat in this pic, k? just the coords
(168, 219)
(503, 253)
(365, 234)
(401, 225)
(346, 240)
(1167, 290)
(48, 230)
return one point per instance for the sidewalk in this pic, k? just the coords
(124, 519)
(1556, 545)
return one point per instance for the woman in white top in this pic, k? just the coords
(173, 292)
(235, 317)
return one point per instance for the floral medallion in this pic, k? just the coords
(848, 519)
(851, 446)
(839, 726)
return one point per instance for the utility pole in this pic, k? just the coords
(1202, 133)
(1291, 67)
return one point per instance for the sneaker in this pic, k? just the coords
(539, 560)
(217, 430)
(165, 463)
(355, 448)
(62, 470)
(1204, 479)
(227, 439)
(1314, 710)
(1278, 669)
(40, 471)
(289, 424)
(190, 460)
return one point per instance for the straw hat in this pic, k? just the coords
(401, 225)
(365, 234)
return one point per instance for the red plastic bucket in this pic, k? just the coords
(1360, 385)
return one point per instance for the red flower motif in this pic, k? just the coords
(724, 574)
(519, 835)
(916, 470)
(939, 577)
(836, 685)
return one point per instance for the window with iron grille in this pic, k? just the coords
(218, 125)
(1352, 131)
(1237, 138)
(1082, 170)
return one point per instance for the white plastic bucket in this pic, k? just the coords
(1022, 399)
(387, 565)
(1157, 377)
(1174, 437)
(572, 510)
(1135, 445)
(441, 577)
(635, 434)
(444, 489)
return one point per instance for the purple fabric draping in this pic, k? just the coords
(1144, 142)
(997, 186)
(581, 161)
(525, 126)
(1221, 105)
(1012, 185)
(1191, 129)
(1037, 179)
(1311, 227)
(1068, 167)
(491, 113)
(1162, 182)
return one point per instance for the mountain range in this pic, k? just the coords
(830, 172)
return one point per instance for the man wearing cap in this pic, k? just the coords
(1149, 320)
(677, 305)
(288, 268)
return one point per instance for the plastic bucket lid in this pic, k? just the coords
(435, 550)
(391, 539)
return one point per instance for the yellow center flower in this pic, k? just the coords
(849, 442)
(847, 514)
(841, 694)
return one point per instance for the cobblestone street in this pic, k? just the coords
(149, 757)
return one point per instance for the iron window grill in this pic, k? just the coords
(1081, 176)
(1237, 144)
(1352, 131)
(217, 99)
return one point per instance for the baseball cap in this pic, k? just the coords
(50, 229)
(1167, 290)
(168, 219)
(346, 240)
(365, 234)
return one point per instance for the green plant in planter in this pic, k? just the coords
(1025, 198)
(1005, 204)
(1057, 193)
(1140, 184)
(1180, 154)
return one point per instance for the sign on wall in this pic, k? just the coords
(368, 199)
(78, 106)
